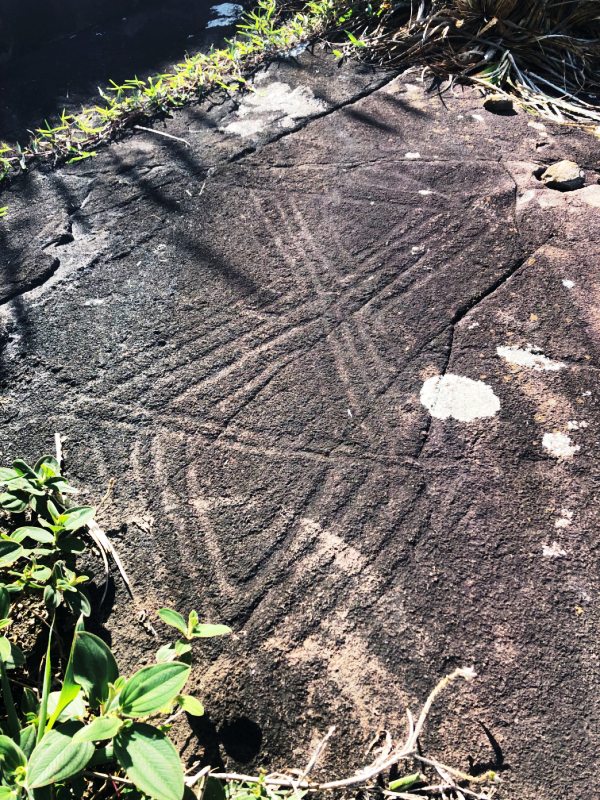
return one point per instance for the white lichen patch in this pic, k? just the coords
(530, 357)
(560, 445)
(460, 398)
(412, 155)
(567, 283)
(565, 519)
(553, 550)
(276, 104)
(425, 192)
(574, 425)
(226, 14)
(525, 198)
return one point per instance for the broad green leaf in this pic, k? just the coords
(60, 485)
(11, 755)
(23, 468)
(10, 654)
(41, 574)
(15, 503)
(166, 654)
(68, 707)
(78, 603)
(406, 782)
(94, 666)
(101, 728)
(6, 793)
(58, 757)
(23, 485)
(27, 739)
(52, 598)
(30, 532)
(7, 474)
(47, 467)
(75, 518)
(151, 761)
(10, 552)
(174, 619)
(190, 705)
(214, 790)
(206, 631)
(182, 648)
(4, 602)
(152, 688)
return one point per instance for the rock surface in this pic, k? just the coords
(240, 330)
(564, 175)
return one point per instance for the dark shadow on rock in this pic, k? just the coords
(369, 119)
(239, 737)
(65, 72)
(201, 253)
(205, 734)
(402, 105)
(495, 764)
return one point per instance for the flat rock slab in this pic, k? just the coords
(340, 352)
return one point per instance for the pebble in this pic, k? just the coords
(564, 176)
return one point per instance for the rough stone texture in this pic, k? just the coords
(564, 176)
(239, 331)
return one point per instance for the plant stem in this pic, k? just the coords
(11, 712)
(45, 688)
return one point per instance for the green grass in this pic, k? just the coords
(262, 34)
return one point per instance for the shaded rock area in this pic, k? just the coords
(343, 364)
(98, 44)
(27, 23)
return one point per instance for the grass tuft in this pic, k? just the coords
(544, 53)
(262, 34)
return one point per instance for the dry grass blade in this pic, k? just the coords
(99, 537)
(365, 777)
(545, 53)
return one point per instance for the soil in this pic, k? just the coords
(340, 352)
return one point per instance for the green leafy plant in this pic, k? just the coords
(96, 717)
(41, 534)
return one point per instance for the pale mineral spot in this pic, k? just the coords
(226, 14)
(559, 445)
(425, 192)
(526, 197)
(553, 550)
(459, 398)
(412, 155)
(565, 519)
(530, 357)
(567, 283)
(274, 103)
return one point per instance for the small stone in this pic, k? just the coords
(564, 176)
(498, 104)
